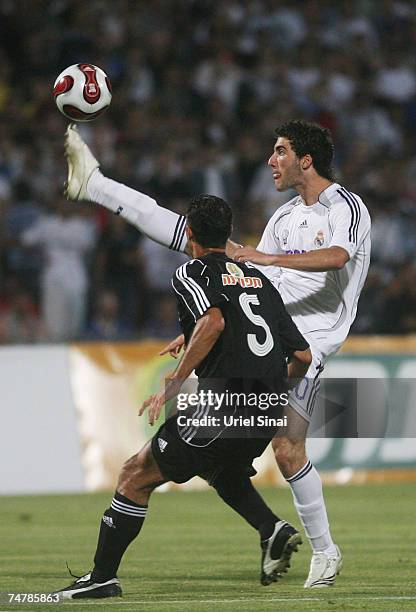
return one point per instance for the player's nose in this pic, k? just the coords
(272, 160)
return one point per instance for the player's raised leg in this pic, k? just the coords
(120, 525)
(86, 182)
(306, 486)
(278, 539)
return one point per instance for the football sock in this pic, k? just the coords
(309, 501)
(120, 525)
(159, 224)
(238, 492)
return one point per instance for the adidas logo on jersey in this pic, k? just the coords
(162, 444)
(303, 225)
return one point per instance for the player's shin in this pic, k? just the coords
(158, 223)
(278, 539)
(238, 492)
(309, 501)
(120, 525)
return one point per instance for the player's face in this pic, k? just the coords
(285, 166)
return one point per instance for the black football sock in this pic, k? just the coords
(120, 525)
(238, 493)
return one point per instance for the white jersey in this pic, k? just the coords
(322, 304)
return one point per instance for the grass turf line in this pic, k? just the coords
(194, 549)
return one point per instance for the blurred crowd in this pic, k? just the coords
(199, 86)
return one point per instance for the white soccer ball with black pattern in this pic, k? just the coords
(82, 92)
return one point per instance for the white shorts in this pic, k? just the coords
(303, 397)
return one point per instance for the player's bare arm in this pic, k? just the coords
(206, 333)
(321, 260)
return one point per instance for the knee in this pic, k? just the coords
(290, 455)
(133, 465)
(131, 471)
(136, 475)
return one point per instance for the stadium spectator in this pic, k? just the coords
(117, 267)
(64, 236)
(106, 322)
(163, 323)
(19, 320)
(160, 265)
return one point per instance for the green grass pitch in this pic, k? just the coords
(194, 554)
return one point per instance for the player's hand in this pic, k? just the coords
(156, 401)
(231, 248)
(155, 404)
(249, 253)
(174, 348)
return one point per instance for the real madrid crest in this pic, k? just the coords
(319, 239)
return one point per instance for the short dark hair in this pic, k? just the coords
(210, 219)
(313, 139)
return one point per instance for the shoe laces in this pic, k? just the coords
(319, 559)
(70, 572)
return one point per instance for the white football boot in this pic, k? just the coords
(81, 164)
(323, 570)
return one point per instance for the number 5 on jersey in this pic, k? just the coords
(261, 349)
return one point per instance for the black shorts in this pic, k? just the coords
(179, 461)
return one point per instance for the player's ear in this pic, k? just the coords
(306, 162)
(189, 234)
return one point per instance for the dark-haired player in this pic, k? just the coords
(317, 251)
(238, 339)
(315, 248)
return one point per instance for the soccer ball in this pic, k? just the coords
(82, 92)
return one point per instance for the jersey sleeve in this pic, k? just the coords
(269, 242)
(349, 221)
(192, 285)
(290, 337)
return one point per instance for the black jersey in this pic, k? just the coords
(259, 334)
